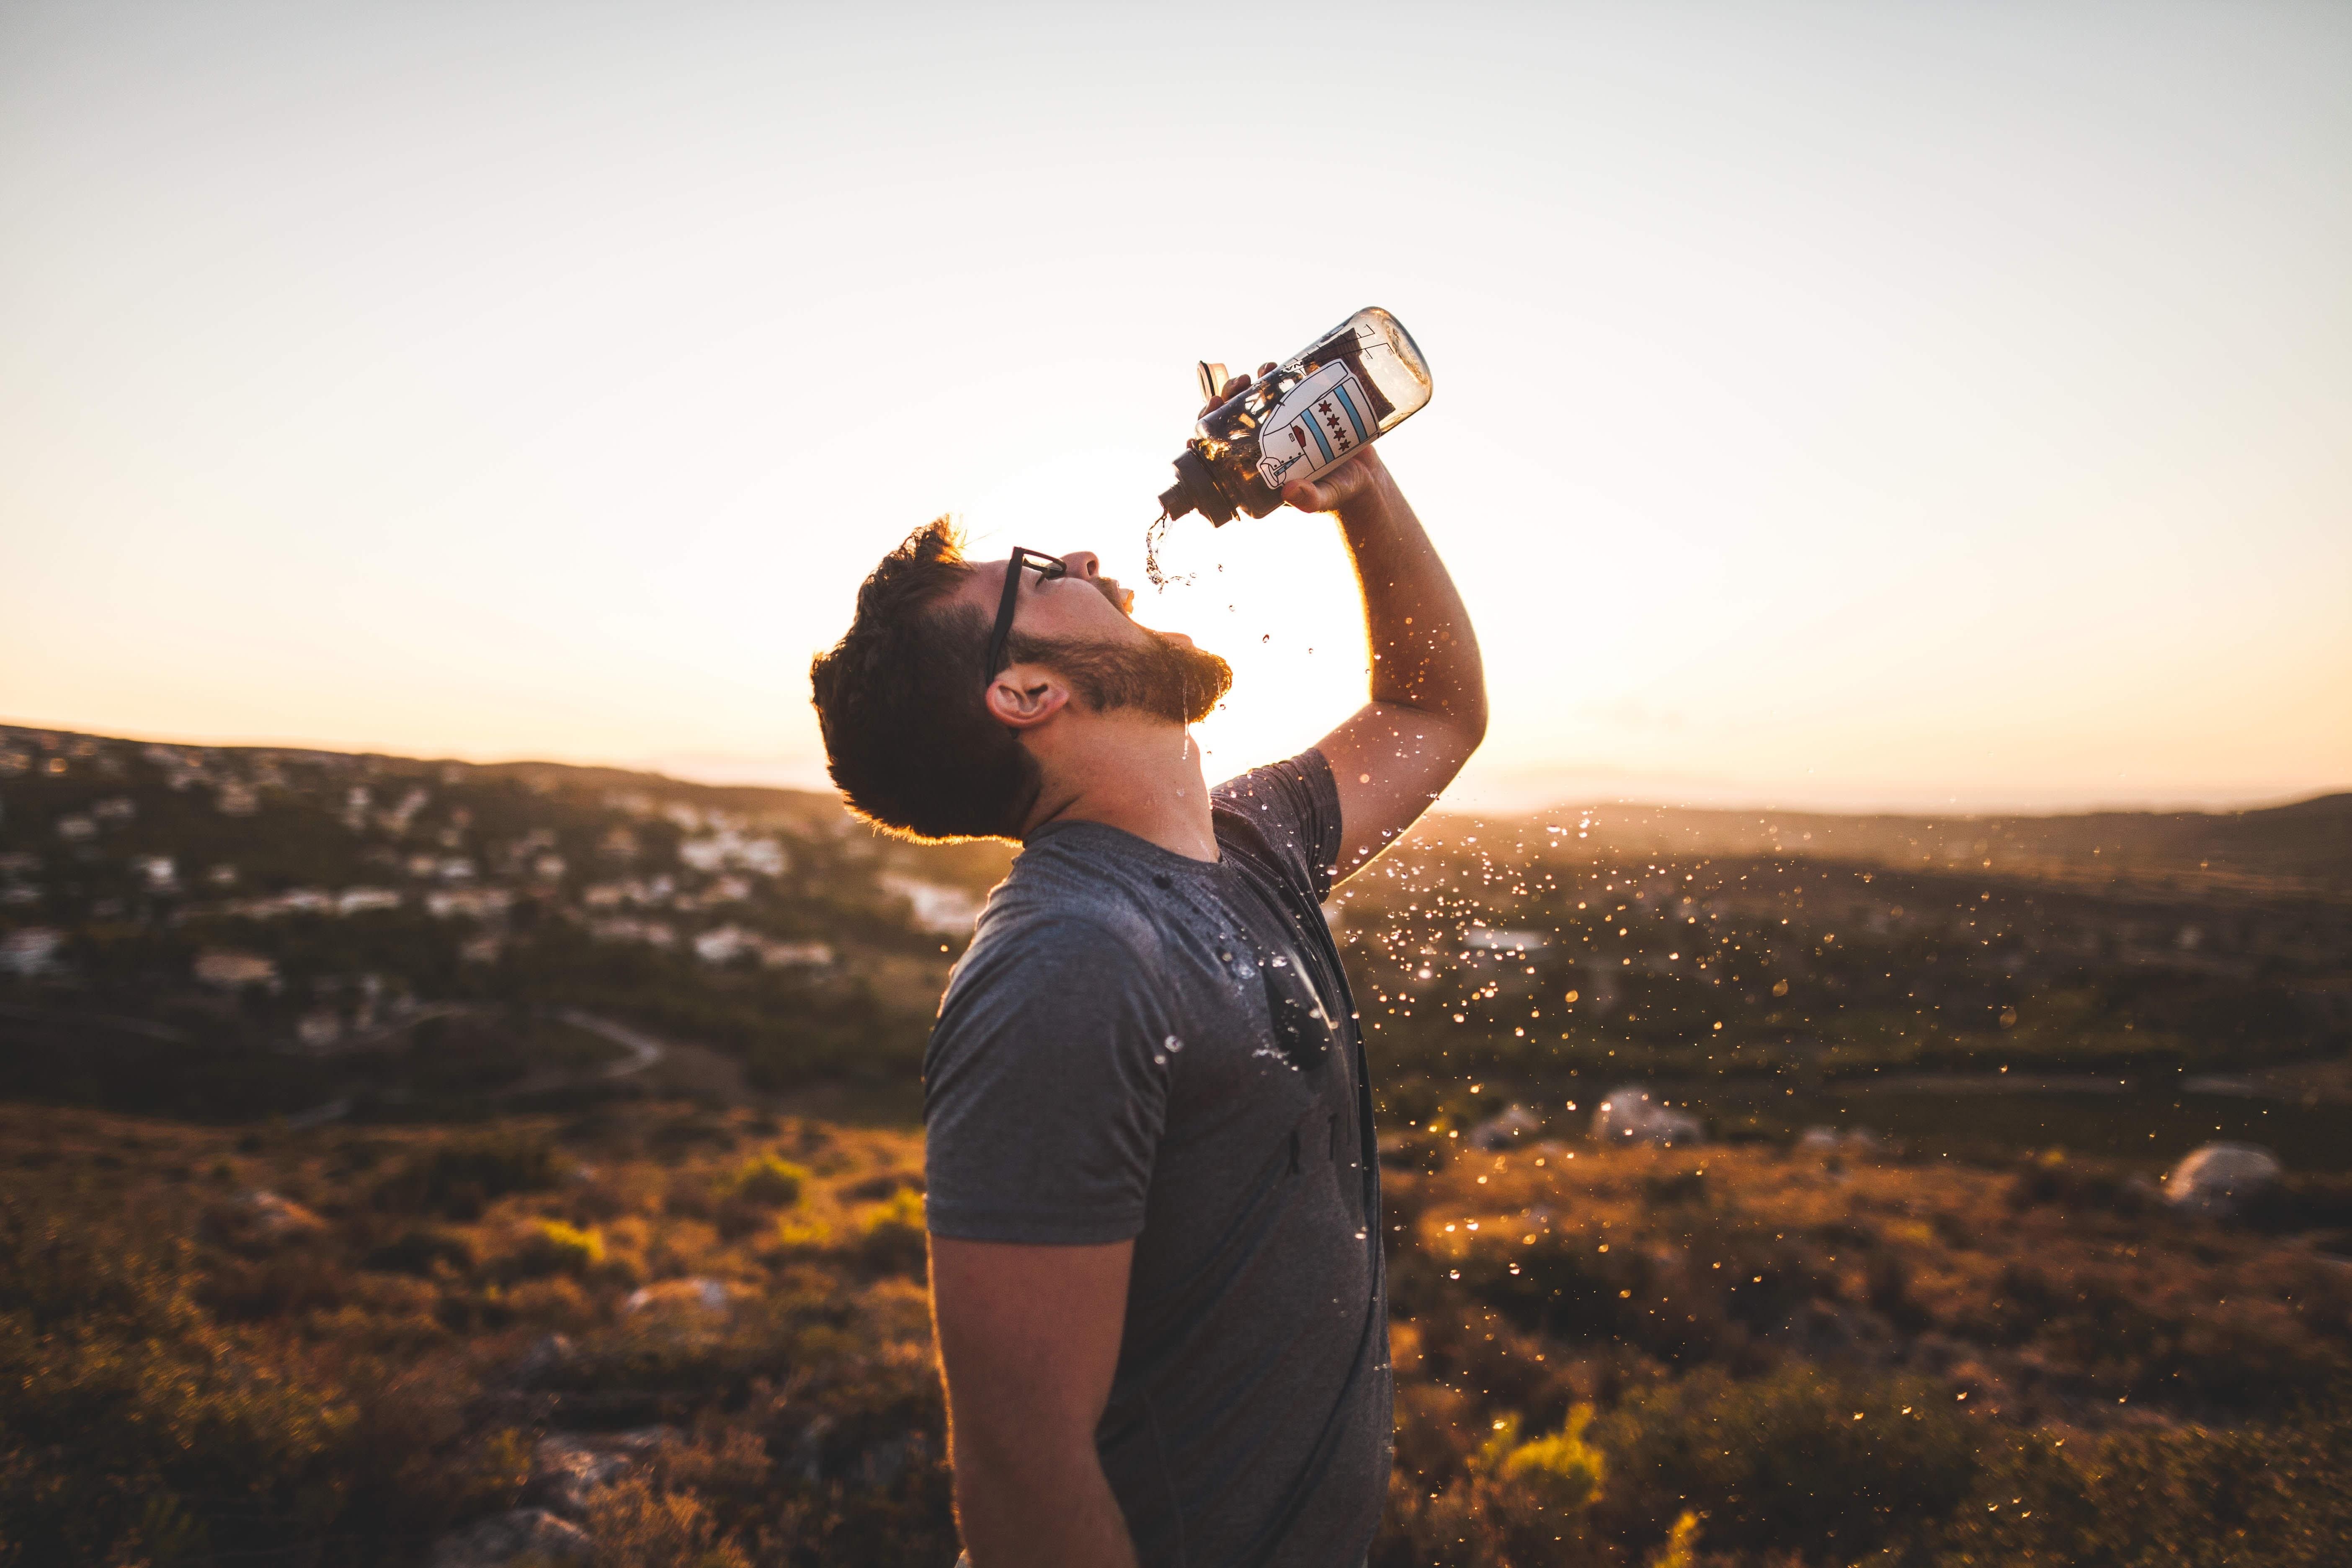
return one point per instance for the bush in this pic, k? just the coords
(636, 1525)
(422, 1250)
(457, 1180)
(1793, 1456)
(139, 1429)
(769, 1181)
(893, 1237)
(2182, 1498)
(555, 1247)
(1514, 1503)
(1562, 1470)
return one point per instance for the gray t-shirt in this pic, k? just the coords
(1140, 1046)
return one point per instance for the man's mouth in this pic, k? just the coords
(1124, 598)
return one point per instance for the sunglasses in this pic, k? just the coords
(1048, 567)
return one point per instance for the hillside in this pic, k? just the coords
(2304, 848)
(238, 932)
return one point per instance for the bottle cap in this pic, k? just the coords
(1195, 491)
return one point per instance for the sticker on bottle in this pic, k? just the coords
(1322, 419)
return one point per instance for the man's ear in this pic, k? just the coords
(1024, 696)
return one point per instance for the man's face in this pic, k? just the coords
(1083, 606)
(1083, 624)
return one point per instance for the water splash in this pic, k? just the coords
(1153, 537)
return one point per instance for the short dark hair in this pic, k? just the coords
(907, 734)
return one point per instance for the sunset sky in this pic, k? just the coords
(1870, 405)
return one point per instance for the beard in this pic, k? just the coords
(1163, 677)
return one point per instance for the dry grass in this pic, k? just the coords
(1735, 1356)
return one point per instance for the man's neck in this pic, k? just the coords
(1142, 776)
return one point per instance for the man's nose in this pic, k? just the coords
(1083, 564)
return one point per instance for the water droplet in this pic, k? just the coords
(1173, 1044)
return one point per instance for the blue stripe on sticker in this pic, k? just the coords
(1314, 427)
(1363, 430)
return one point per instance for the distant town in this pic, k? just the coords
(311, 902)
(202, 921)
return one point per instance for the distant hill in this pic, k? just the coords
(2304, 848)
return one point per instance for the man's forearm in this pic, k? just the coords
(1038, 1511)
(1424, 655)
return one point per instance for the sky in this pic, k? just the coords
(1871, 406)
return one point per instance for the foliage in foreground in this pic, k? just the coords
(1778, 1362)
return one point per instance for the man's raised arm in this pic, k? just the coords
(1428, 710)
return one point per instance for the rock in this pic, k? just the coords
(2217, 1178)
(1631, 1115)
(567, 1467)
(1506, 1130)
(548, 1356)
(697, 1294)
(502, 1538)
(260, 1218)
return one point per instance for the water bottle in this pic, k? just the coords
(1301, 419)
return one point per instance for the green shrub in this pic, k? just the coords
(555, 1247)
(893, 1237)
(2178, 1497)
(1793, 1456)
(1681, 1550)
(769, 1181)
(134, 1427)
(1561, 1469)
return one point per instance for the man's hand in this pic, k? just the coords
(1356, 476)
(1028, 1344)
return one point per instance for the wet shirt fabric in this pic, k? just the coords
(1143, 1046)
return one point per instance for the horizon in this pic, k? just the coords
(1849, 410)
(754, 777)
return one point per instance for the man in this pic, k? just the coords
(1153, 1185)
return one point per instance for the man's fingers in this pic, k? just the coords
(1236, 383)
(1233, 384)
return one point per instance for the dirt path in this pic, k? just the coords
(643, 1050)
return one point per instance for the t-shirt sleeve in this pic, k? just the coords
(1044, 1088)
(1295, 808)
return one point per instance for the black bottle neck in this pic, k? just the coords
(1195, 489)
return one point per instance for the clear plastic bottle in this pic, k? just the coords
(1358, 382)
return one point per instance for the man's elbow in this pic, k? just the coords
(1474, 725)
(1468, 720)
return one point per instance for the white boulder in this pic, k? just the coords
(2217, 1178)
(1634, 1115)
(1514, 1126)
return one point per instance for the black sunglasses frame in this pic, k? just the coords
(1048, 567)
